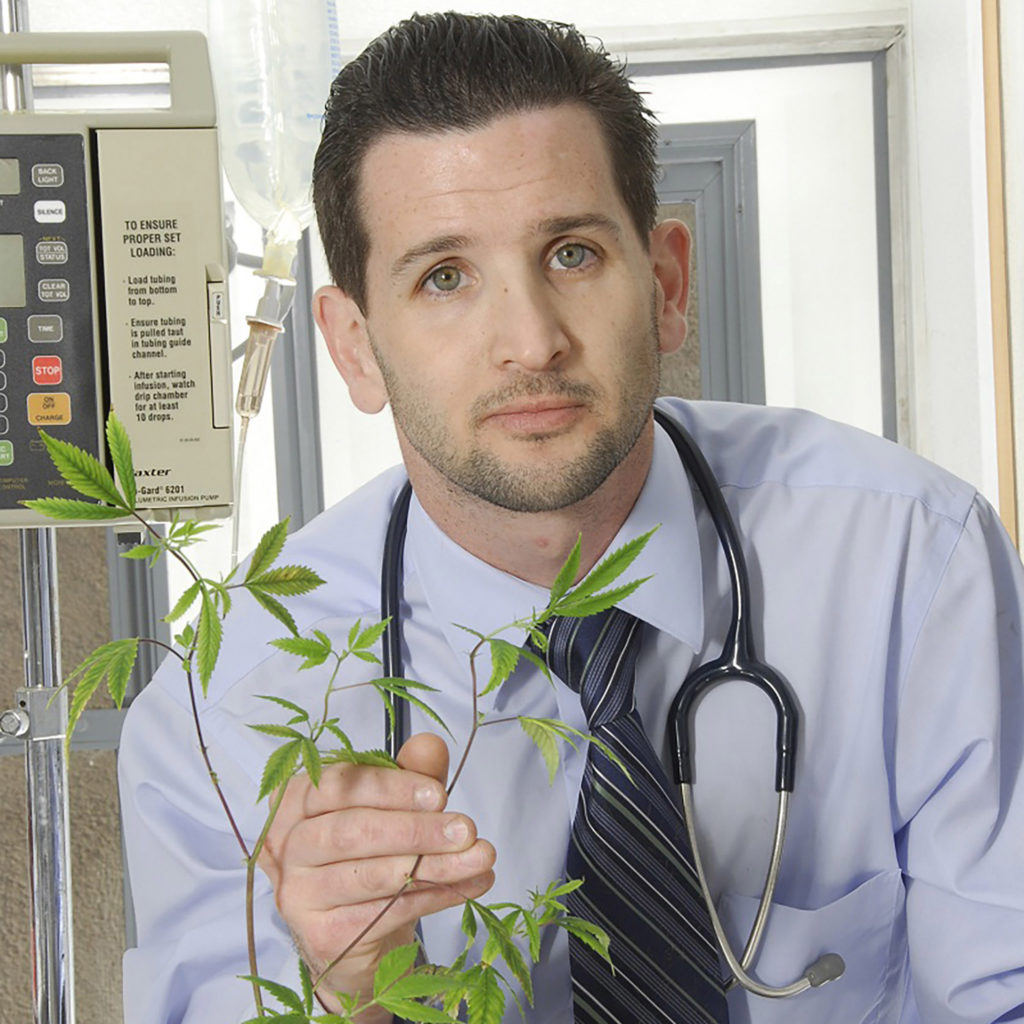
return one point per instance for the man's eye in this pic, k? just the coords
(445, 279)
(572, 255)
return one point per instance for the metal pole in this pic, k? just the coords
(47, 781)
(42, 715)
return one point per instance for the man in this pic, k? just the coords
(485, 196)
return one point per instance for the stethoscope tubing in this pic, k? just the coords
(737, 661)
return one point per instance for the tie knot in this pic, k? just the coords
(596, 657)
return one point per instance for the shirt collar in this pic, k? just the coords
(462, 590)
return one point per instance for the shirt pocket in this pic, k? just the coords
(865, 927)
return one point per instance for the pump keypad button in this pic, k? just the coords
(47, 175)
(45, 328)
(48, 410)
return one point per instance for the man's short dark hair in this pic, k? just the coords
(440, 72)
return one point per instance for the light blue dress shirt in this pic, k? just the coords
(884, 590)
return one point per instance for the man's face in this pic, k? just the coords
(513, 312)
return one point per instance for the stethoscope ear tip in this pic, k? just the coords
(826, 968)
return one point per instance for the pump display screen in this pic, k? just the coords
(10, 179)
(12, 271)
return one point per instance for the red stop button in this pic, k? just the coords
(47, 370)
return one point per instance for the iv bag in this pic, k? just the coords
(272, 71)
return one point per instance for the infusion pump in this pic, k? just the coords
(112, 282)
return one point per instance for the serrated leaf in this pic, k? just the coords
(72, 508)
(393, 965)
(282, 993)
(354, 632)
(82, 471)
(282, 732)
(141, 551)
(311, 650)
(485, 1000)
(306, 980)
(280, 767)
(120, 448)
(369, 636)
(468, 920)
(113, 662)
(278, 610)
(185, 637)
(422, 984)
(286, 704)
(595, 603)
(367, 656)
(588, 933)
(285, 581)
(208, 640)
(267, 550)
(612, 567)
(536, 659)
(400, 688)
(544, 738)
(504, 658)
(532, 936)
(374, 758)
(311, 760)
(183, 603)
(413, 1011)
(567, 574)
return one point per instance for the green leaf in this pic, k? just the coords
(591, 605)
(112, 661)
(278, 610)
(536, 659)
(611, 568)
(504, 658)
(282, 993)
(401, 687)
(71, 508)
(589, 933)
(185, 637)
(314, 652)
(532, 935)
(280, 767)
(468, 920)
(208, 639)
(285, 581)
(282, 732)
(267, 550)
(393, 965)
(183, 603)
(311, 760)
(369, 636)
(141, 551)
(411, 1010)
(82, 471)
(567, 574)
(306, 980)
(374, 758)
(121, 455)
(499, 939)
(485, 999)
(287, 705)
(545, 739)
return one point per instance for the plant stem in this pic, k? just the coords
(209, 766)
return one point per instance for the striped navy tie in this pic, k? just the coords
(629, 845)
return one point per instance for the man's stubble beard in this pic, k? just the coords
(544, 487)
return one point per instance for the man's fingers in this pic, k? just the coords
(348, 882)
(366, 832)
(426, 754)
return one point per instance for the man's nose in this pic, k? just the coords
(528, 330)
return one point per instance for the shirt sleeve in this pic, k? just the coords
(188, 876)
(958, 788)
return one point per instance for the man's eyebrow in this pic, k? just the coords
(431, 247)
(579, 222)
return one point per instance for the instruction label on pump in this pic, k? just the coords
(162, 247)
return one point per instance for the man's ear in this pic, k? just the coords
(670, 256)
(343, 326)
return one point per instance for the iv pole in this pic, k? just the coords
(41, 715)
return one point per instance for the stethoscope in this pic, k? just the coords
(738, 661)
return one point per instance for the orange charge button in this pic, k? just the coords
(48, 410)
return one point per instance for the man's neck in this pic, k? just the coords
(534, 545)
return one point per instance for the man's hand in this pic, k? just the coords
(338, 853)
